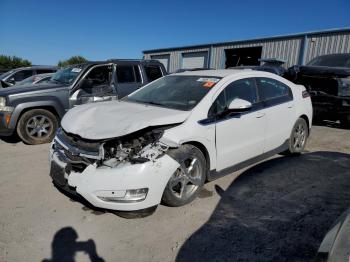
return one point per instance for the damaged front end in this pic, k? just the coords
(139, 147)
(124, 173)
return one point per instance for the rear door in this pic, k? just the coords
(279, 109)
(128, 79)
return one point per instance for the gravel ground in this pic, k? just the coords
(274, 211)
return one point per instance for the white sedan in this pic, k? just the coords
(164, 141)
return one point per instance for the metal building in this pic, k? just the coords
(294, 49)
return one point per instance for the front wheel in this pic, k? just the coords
(298, 138)
(37, 126)
(188, 180)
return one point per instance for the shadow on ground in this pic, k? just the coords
(65, 246)
(278, 210)
(14, 139)
(331, 124)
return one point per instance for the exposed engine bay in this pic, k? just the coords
(139, 147)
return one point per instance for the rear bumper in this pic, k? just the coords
(5, 129)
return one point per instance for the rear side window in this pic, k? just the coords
(153, 72)
(128, 74)
(271, 88)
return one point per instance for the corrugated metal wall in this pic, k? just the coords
(289, 49)
(176, 56)
(327, 44)
(286, 49)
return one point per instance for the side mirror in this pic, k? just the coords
(239, 105)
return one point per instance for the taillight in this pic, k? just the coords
(305, 94)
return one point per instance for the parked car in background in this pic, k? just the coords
(34, 111)
(272, 65)
(327, 78)
(14, 76)
(35, 79)
(162, 142)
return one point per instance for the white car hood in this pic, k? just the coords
(113, 119)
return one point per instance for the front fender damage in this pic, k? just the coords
(105, 172)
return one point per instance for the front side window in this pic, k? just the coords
(153, 72)
(271, 88)
(243, 89)
(179, 92)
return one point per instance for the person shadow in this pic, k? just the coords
(65, 246)
(277, 210)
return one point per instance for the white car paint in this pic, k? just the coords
(227, 142)
(113, 119)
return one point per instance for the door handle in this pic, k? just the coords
(260, 115)
(290, 106)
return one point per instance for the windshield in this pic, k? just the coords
(177, 91)
(340, 60)
(67, 75)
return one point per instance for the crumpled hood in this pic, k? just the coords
(112, 119)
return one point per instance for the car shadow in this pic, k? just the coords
(14, 139)
(331, 124)
(65, 246)
(278, 210)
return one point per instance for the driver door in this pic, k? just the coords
(97, 85)
(239, 136)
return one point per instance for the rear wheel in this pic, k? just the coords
(37, 126)
(298, 138)
(188, 180)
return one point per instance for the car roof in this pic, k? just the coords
(217, 72)
(34, 67)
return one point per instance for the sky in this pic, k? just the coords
(45, 32)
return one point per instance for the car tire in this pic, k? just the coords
(298, 138)
(37, 126)
(188, 180)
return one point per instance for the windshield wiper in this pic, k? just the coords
(152, 103)
(57, 81)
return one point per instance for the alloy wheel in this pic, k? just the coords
(186, 179)
(39, 126)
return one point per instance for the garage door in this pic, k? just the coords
(194, 60)
(164, 59)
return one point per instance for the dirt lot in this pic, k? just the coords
(275, 211)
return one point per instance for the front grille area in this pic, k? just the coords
(76, 141)
(72, 152)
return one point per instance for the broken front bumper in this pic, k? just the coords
(108, 188)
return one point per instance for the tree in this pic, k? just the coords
(10, 62)
(72, 61)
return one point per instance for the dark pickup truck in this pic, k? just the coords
(327, 78)
(34, 112)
